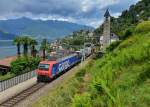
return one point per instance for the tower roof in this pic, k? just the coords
(107, 14)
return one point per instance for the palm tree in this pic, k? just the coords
(32, 45)
(44, 47)
(17, 42)
(25, 41)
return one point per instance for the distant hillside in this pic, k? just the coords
(6, 36)
(39, 29)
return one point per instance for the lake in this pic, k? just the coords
(7, 49)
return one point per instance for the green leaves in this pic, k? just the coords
(83, 100)
(24, 64)
(43, 44)
(143, 27)
(26, 42)
(113, 46)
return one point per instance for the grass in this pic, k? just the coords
(62, 94)
(120, 79)
(7, 76)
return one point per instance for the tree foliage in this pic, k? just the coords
(76, 40)
(44, 47)
(143, 27)
(24, 64)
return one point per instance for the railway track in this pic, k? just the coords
(21, 96)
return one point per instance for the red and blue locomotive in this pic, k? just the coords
(47, 70)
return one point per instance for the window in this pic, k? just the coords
(54, 69)
(44, 67)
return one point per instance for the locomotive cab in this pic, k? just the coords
(44, 70)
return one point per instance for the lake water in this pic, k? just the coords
(7, 49)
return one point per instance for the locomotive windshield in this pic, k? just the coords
(44, 67)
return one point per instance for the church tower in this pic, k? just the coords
(106, 31)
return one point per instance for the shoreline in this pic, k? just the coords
(7, 60)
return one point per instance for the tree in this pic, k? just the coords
(25, 41)
(44, 47)
(32, 43)
(17, 42)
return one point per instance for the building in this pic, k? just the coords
(107, 38)
(113, 38)
(6, 63)
(106, 31)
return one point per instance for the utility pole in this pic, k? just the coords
(83, 51)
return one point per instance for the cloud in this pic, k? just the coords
(89, 12)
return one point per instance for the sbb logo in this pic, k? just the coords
(63, 66)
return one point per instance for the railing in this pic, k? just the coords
(16, 80)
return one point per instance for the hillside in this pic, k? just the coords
(119, 79)
(129, 18)
(6, 36)
(40, 29)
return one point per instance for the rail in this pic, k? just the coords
(21, 96)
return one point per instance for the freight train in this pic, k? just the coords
(47, 70)
(58, 64)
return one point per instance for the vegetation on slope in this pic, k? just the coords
(128, 19)
(24, 64)
(120, 79)
(76, 40)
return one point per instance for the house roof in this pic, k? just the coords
(7, 61)
(114, 36)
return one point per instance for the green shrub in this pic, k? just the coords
(113, 46)
(144, 75)
(83, 100)
(24, 64)
(127, 33)
(79, 76)
(143, 27)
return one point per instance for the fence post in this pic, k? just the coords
(0, 86)
(16, 80)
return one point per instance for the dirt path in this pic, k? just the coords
(50, 87)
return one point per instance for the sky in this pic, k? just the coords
(85, 12)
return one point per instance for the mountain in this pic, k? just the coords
(40, 29)
(6, 35)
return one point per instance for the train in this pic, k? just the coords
(59, 63)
